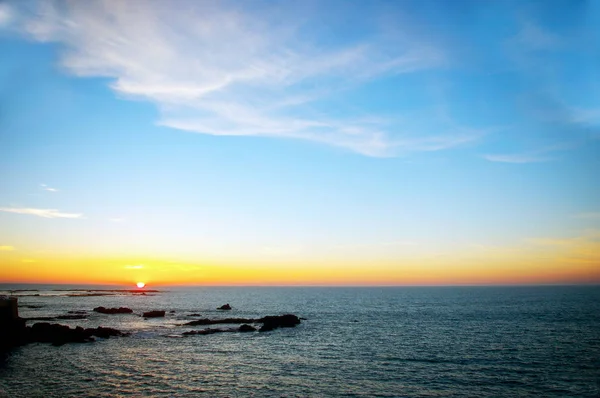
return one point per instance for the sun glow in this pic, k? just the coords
(141, 285)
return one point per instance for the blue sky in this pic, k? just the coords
(206, 130)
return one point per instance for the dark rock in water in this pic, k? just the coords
(220, 321)
(54, 318)
(269, 322)
(206, 331)
(12, 327)
(60, 334)
(247, 328)
(280, 321)
(77, 312)
(195, 315)
(71, 316)
(104, 332)
(225, 307)
(172, 312)
(33, 306)
(154, 314)
(14, 332)
(56, 334)
(120, 310)
(41, 318)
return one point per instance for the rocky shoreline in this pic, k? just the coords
(14, 332)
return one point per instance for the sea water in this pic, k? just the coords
(375, 342)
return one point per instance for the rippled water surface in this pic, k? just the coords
(455, 341)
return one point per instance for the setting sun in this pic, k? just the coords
(141, 285)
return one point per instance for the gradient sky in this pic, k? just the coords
(277, 142)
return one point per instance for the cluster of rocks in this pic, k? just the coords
(57, 334)
(154, 314)
(268, 323)
(14, 331)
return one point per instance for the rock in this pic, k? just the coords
(60, 334)
(56, 334)
(14, 332)
(269, 322)
(12, 327)
(154, 314)
(104, 333)
(280, 321)
(225, 307)
(120, 310)
(206, 331)
(195, 314)
(72, 316)
(77, 312)
(220, 321)
(55, 318)
(247, 328)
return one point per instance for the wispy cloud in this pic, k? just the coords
(7, 248)
(28, 260)
(532, 156)
(45, 213)
(224, 69)
(5, 14)
(516, 158)
(47, 188)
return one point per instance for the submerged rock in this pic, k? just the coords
(280, 321)
(205, 321)
(154, 314)
(72, 316)
(207, 331)
(120, 310)
(225, 307)
(57, 334)
(247, 328)
(269, 322)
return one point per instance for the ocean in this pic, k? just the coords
(354, 342)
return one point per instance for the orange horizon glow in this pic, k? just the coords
(401, 273)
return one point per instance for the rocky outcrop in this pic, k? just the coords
(205, 321)
(246, 328)
(120, 310)
(280, 321)
(207, 331)
(154, 314)
(57, 334)
(14, 332)
(225, 307)
(55, 318)
(268, 322)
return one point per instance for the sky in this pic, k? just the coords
(300, 143)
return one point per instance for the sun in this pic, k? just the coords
(140, 285)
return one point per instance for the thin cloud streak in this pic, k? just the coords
(7, 248)
(47, 188)
(516, 158)
(45, 213)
